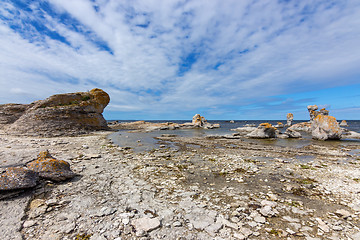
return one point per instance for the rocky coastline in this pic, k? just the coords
(203, 188)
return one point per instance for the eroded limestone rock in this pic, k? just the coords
(51, 168)
(61, 114)
(325, 128)
(312, 111)
(292, 133)
(17, 178)
(303, 126)
(343, 123)
(264, 130)
(289, 119)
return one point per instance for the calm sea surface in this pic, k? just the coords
(145, 141)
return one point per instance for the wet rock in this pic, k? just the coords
(51, 168)
(17, 178)
(63, 114)
(145, 224)
(325, 128)
(264, 130)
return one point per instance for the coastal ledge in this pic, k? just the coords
(197, 122)
(66, 114)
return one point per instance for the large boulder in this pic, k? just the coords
(13, 178)
(62, 114)
(303, 126)
(50, 168)
(292, 133)
(325, 128)
(264, 130)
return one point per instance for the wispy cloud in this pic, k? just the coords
(161, 58)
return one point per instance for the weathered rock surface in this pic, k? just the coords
(289, 119)
(303, 126)
(292, 133)
(61, 114)
(11, 112)
(343, 123)
(51, 168)
(17, 178)
(264, 130)
(145, 224)
(279, 125)
(242, 131)
(197, 122)
(350, 134)
(325, 128)
(312, 111)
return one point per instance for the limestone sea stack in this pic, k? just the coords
(343, 123)
(325, 128)
(289, 119)
(61, 114)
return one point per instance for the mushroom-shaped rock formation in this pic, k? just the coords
(325, 128)
(200, 121)
(289, 119)
(312, 111)
(264, 130)
(63, 114)
(17, 178)
(51, 168)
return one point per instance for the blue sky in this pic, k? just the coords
(168, 59)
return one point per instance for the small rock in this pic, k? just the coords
(322, 225)
(259, 219)
(177, 224)
(145, 224)
(290, 219)
(343, 213)
(29, 223)
(252, 224)
(337, 228)
(213, 228)
(239, 236)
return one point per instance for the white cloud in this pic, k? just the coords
(260, 48)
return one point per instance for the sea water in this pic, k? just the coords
(145, 141)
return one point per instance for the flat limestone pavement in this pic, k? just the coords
(204, 192)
